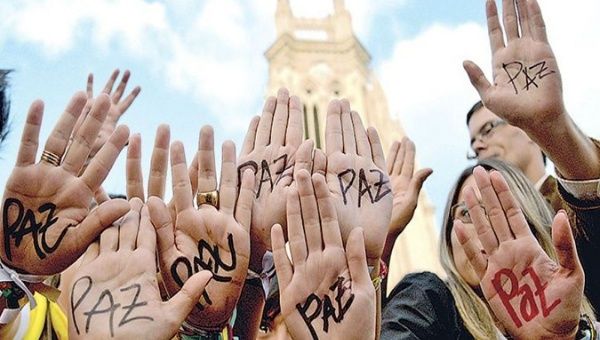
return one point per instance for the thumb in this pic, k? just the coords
(357, 258)
(564, 243)
(418, 179)
(180, 305)
(477, 78)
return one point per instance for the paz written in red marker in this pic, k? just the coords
(528, 304)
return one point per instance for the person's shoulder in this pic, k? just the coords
(426, 282)
(420, 307)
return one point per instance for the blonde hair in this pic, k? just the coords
(473, 310)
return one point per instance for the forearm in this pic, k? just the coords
(573, 153)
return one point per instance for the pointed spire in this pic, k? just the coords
(283, 16)
(338, 6)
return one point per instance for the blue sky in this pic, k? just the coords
(201, 62)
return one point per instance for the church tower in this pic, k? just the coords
(318, 59)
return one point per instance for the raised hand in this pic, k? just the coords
(356, 177)
(46, 218)
(527, 86)
(325, 292)
(115, 293)
(273, 151)
(118, 105)
(406, 184)
(210, 237)
(532, 295)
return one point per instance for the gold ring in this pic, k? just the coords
(50, 158)
(208, 197)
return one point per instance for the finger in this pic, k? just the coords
(100, 218)
(357, 258)
(477, 78)
(376, 148)
(146, 238)
(296, 237)
(207, 179)
(104, 160)
(90, 86)
(472, 247)
(295, 124)
(248, 145)
(391, 157)
(363, 148)
(59, 137)
(400, 157)
(516, 219)
(100, 196)
(91, 253)
(283, 267)
(263, 133)
(511, 23)
(495, 211)
(79, 149)
(303, 157)
(523, 18)
(485, 233)
(348, 129)
(193, 173)
(126, 103)
(536, 24)
(327, 213)
(182, 190)
(334, 141)
(135, 181)
(129, 228)
(180, 305)
(319, 162)
(159, 162)
(280, 118)
(494, 30)
(408, 166)
(31, 133)
(163, 225)
(564, 243)
(243, 210)
(228, 182)
(121, 87)
(111, 81)
(417, 181)
(310, 212)
(109, 240)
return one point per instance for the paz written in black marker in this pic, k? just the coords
(373, 190)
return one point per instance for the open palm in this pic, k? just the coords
(531, 294)
(115, 293)
(356, 177)
(46, 218)
(527, 83)
(207, 237)
(326, 292)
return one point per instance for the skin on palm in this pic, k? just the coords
(510, 261)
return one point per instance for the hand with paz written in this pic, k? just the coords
(210, 237)
(115, 293)
(356, 177)
(325, 291)
(532, 295)
(46, 219)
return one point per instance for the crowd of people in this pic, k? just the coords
(290, 241)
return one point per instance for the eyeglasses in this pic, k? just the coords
(460, 212)
(484, 134)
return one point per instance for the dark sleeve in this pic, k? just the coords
(587, 217)
(421, 307)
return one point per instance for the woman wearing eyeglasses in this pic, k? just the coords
(463, 306)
